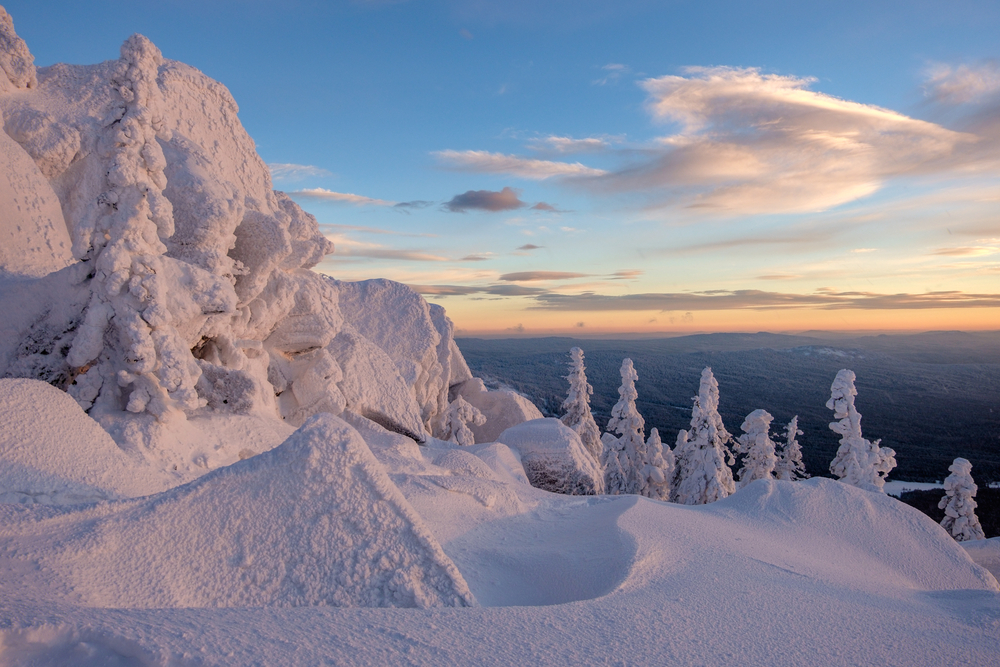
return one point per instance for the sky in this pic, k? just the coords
(593, 168)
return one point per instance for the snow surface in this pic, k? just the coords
(185, 521)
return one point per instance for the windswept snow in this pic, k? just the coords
(315, 521)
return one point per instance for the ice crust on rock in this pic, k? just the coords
(554, 458)
(315, 521)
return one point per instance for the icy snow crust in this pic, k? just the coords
(156, 280)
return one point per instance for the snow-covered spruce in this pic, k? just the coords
(789, 466)
(577, 405)
(960, 518)
(459, 414)
(858, 462)
(629, 448)
(756, 443)
(658, 471)
(703, 473)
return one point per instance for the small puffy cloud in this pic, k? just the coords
(498, 163)
(962, 84)
(322, 194)
(528, 276)
(289, 172)
(529, 246)
(485, 200)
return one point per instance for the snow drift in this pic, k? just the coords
(315, 521)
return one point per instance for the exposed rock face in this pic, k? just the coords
(554, 458)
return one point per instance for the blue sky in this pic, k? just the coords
(591, 167)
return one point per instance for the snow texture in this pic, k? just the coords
(554, 458)
(758, 447)
(54, 454)
(315, 521)
(703, 473)
(985, 553)
(789, 466)
(577, 406)
(503, 408)
(960, 518)
(859, 462)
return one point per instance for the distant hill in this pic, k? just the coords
(931, 396)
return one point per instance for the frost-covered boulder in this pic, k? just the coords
(502, 408)
(33, 236)
(416, 335)
(315, 521)
(554, 458)
(52, 453)
(372, 386)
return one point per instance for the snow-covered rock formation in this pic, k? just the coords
(151, 271)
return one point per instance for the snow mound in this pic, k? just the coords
(985, 553)
(53, 453)
(554, 458)
(315, 521)
(502, 408)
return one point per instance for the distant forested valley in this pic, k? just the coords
(931, 397)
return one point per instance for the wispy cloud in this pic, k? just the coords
(528, 276)
(611, 73)
(329, 226)
(466, 290)
(543, 206)
(485, 200)
(761, 300)
(962, 84)
(530, 246)
(289, 172)
(569, 145)
(527, 168)
(323, 194)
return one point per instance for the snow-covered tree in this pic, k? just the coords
(756, 443)
(790, 466)
(658, 471)
(615, 477)
(629, 426)
(456, 419)
(960, 518)
(859, 462)
(577, 406)
(703, 458)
